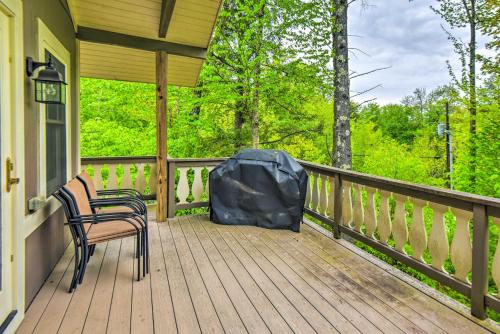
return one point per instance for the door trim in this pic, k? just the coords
(48, 41)
(14, 9)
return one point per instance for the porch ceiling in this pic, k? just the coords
(186, 24)
(104, 61)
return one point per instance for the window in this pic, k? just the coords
(55, 137)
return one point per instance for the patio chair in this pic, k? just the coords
(117, 201)
(89, 228)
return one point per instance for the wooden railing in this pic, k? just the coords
(426, 228)
(440, 233)
(123, 172)
(189, 186)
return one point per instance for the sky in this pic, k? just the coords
(407, 36)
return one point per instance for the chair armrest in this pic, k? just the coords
(130, 217)
(120, 192)
(132, 203)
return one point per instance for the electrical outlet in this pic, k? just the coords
(36, 203)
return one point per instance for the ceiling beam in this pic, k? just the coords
(141, 43)
(167, 9)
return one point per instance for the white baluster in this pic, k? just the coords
(370, 213)
(127, 176)
(207, 185)
(461, 247)
(140, 181)
(153, 178)
(197, 188)
(97, 178)
(438, 240)
(346, 204)
(399, 226)
(384, 222)
(322, 196)
(331, 197)
(358, 214)
(314, 195)
(418, 234)
(85, 168)
(183, 185)
(495, 266)
(307, 203)
(112, 178)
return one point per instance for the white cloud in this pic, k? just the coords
(406, 36)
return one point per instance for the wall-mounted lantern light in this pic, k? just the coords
(50, 87)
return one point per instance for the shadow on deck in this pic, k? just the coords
(212, 278)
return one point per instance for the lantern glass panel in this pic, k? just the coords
(50, 92)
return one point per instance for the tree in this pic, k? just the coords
(246, 40)
(342, 151)
(250, 59)
(490, 26)
(323, 33)
(461, 14)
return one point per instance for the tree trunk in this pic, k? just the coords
(342, 154)
(255, 124)
(255, 108)
(239, 112)
(472, 93)
(197, 96)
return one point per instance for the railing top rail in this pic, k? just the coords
(453, 198)
(114, 160)
(148, 158)
(196, 160)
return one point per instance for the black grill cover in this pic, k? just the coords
(265, 188)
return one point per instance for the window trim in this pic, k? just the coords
(48, 41)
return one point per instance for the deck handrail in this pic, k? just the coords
(359, 205)
(440, 195)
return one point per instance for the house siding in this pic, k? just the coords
(43, 249)
(45, 245)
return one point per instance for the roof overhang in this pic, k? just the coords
(119, 37)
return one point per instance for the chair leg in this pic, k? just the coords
(144, 251)
(76, 271)
(92, 250)
(138, 239)
(85, 258)
(147, 244)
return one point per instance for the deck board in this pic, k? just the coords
(226, 311)
(273, 319)
(163, 309)
(121, 303)
(430, 315)
(97, 317)
(235, 279)
(358, 318)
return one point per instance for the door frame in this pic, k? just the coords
(14, 9)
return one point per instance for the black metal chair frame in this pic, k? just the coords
(130, 198)
(83, 250)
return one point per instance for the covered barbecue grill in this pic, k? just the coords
(265, 188)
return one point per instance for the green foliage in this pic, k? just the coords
(255, 66)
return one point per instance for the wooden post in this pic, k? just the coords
(161, 135)
(479, 285)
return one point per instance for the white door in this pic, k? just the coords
(7, 196)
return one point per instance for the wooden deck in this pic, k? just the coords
(211, 278)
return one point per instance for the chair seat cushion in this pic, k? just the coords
(110, 230)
